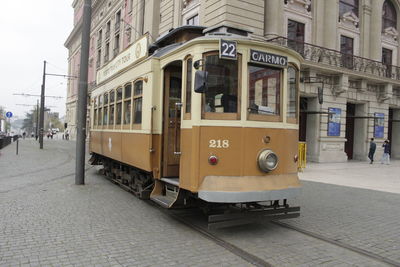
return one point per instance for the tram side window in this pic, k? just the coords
(105, 109)
(119, 106)
(222, 91)
(189, 67)
(137, 102)
(112, 107)
(100, 115)
(292, 85)
(264, 93)
(127, 103)
(96, 106)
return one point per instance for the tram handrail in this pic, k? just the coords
(302, 156)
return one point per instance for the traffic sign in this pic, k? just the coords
(9, 114)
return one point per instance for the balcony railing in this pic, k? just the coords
(326, 56)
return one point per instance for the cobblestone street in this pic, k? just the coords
(46, 220)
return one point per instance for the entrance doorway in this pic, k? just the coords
(394, 132)
(172, 119)
(303, 119)
(349, 145)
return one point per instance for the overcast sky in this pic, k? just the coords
(31, 32)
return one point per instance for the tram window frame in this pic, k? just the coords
(111, 108)
(118, 106)
(137, 98)
(95, 111)
(105, 110)
(100, 115)
(291, 119)
(224, 115)
(266, 117)
(188, 87)
(127, 100)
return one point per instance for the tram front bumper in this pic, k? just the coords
(242, 189)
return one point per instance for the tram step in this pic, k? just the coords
(164, 201)
(172, 181)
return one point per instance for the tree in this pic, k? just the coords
(29, 123)
(3, 117)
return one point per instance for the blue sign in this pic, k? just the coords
(379, 125)
(9, 114)
(334, 121)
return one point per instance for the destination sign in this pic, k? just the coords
(268, 58)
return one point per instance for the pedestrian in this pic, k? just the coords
(372, 148)
(386, 153)
(23, 135)
(66, 135)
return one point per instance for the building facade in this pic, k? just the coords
(350, 82)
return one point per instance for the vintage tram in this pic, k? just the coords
(205, 117)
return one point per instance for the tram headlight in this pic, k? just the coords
(267, 160)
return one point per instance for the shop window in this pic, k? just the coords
(264, 93)
(221, 97)
(346, 6)
(137, 102)
(389, 15)
(193, 20)
(127, 103)
(347, 50)
(387, 61)
(296, 35)
(188, 100)
(292, 94)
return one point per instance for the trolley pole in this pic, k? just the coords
(82, 95)
(37, 119)
(41, 130)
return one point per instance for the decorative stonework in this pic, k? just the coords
(390, 33)
(187, 3)
(350, 19)
(302, 5)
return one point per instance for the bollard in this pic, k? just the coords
(17, 145)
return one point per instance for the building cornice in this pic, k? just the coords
(78, 26)
(75, 32)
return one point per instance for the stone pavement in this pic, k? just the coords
(45, 220)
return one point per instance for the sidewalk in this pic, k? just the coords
(358, 174)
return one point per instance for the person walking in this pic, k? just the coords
(372, 149)
(386, 153)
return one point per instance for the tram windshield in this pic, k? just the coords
(222, 91)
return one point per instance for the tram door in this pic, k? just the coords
(172, 119)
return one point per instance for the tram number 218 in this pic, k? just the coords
(218, 143)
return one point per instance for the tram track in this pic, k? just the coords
(357, 250)
(247, 256)
(256, 261)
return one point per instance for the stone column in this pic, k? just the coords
(330, 23)
(375, 47)
(152, 18)
(365, 24)
(318, 9)
(273, 14)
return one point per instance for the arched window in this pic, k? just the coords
(346, 6)
(389, 15)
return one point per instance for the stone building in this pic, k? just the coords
(350, 82)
